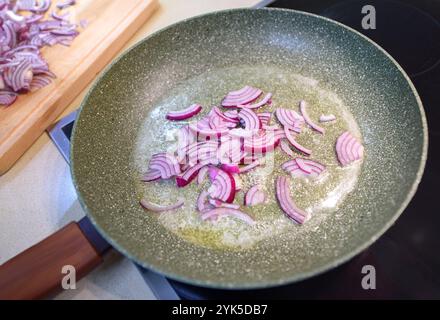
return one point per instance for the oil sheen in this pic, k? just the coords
(320, 197)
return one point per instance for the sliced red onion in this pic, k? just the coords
(166, 164)
(238, 182)
(259, 104)
(250, 119)
(7, 97)
(23, 34)
(20, 76)
(295, 144)
(348, 149)
(25, 5)
(223, 186)
(220, 212)
(202, 174)
(65, 4)
(314, 126)
(242, 133)
(61, 17)
(286, 202)
(14, 17)
(232, 114)
(40, 81)
(229, 150)
(261, 143)
(327, 118)
(286, 148)
(187, 113)
(250, 158)
(264, 118)
(232, 118)
(185, 137)
(158, 208)
(241, 97)
(43, 6)
(212, 173)
(186, 177)
(220, 204)
(303, 168)
(217, 122)
(200, 151)
(290, 119)
(203, 133)
(254, 196)
(231, 168)
(251, 166)
(151, 175)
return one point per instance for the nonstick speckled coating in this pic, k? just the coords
(368, 81)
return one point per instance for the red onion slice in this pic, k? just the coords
(254, 196)
(264, 118)
(251, 166)
(187, 113)
(285, 147)
(220, 212)
(7, 97)
(202, 174)
(22, 67)
(327, 118)
(241, 97)
(230, 150)
(166, 164)
(223, 186)
(303, 168)
(186, 177)
(238, 182)
(65, 4)
(242, 133)
(231, 168)
(295, 144)
(259, 104)
(261, 143)
(220, 204)
(158, 208)
(314, 126)
(211, 133)
(348, 149)
(200, 151)
(217, 122)
(286, 202)
(232, 114)
(151, 175)
(250, 119)
(290, 119)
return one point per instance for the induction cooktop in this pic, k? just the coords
(405, 258)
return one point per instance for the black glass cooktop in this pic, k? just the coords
(406, 258)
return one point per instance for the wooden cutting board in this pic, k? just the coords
(111, 23)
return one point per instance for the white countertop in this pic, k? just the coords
(37, 196)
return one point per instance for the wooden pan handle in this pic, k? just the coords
(37, 271)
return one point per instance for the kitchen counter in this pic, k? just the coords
(37, 196)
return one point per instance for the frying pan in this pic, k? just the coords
(294, 54)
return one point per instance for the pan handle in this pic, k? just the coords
(39, 270)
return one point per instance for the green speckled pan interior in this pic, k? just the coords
(295, 56)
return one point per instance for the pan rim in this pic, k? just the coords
(297, 276)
